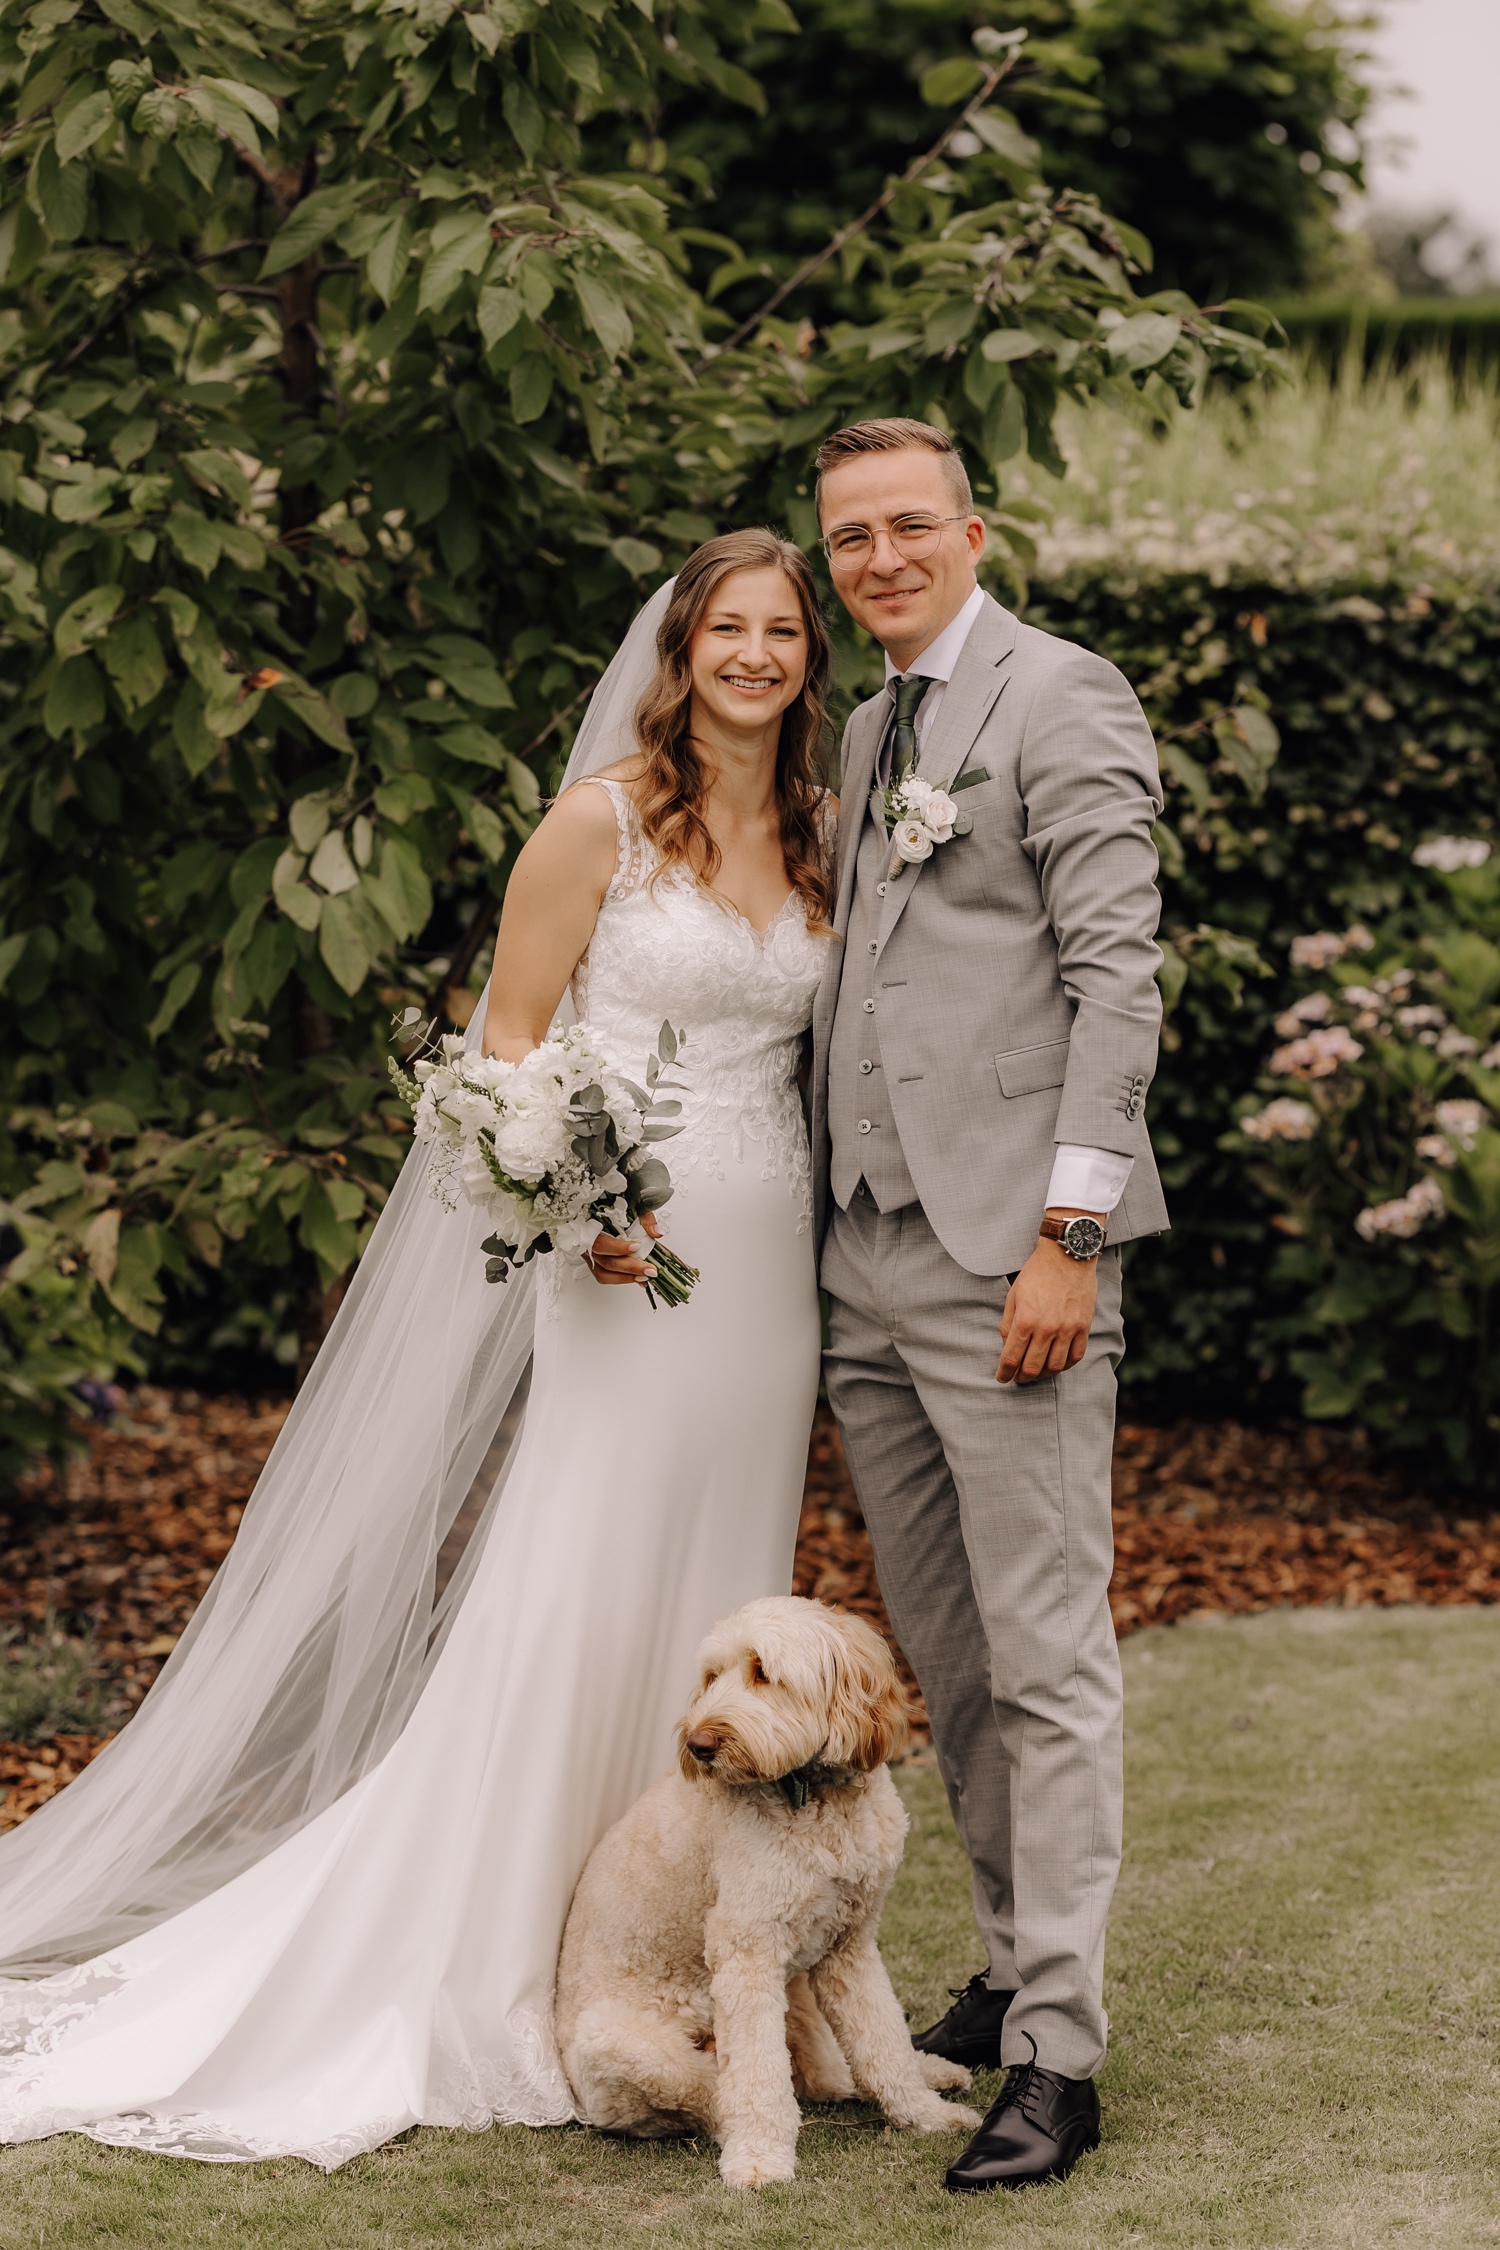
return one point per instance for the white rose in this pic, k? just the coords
(940, 813)
(913, 841)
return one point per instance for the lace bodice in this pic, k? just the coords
(669, 952)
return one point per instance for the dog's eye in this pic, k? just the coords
(758, 1677)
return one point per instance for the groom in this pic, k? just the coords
(983, 1046)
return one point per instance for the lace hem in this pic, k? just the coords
(467, 2094)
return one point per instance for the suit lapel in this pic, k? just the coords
(865, 731)
(978, 680)
(854, 799)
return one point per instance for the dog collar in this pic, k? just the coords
(797, 1787)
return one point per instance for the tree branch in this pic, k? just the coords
(994, 72)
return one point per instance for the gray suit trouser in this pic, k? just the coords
(989, 1511)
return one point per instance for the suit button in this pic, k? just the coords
(880, 890)
(864, 1125)
(873, 946)
(869, 1007)
(865, 1069)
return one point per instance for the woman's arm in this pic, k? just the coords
(552, 902)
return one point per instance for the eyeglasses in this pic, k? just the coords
(913, 537)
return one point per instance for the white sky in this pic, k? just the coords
(1448, 53)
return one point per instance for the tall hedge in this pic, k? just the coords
(1388, 708)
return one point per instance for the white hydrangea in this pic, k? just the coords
(1282, 1120)
(1449, 853)
(1462, 1119)
(1318, 1055)
(1313, 1007)
(1404, 1216)
(1454, 1043)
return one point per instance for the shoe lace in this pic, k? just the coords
(1020, 2085)
(977, 1983)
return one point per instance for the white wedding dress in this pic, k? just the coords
(392, 1961)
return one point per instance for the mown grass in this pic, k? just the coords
(1304, 1981)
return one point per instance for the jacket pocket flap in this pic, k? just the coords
(1028, 1070)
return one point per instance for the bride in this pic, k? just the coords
(314, 1893)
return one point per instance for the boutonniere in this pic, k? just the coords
(917, 819)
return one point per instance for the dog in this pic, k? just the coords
(719, 1957)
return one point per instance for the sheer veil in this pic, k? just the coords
(309, 1650)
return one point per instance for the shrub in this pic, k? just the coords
(1386, 1161)
(51, 1685)
(1384, 697)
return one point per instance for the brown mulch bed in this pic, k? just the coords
(1208, 1516)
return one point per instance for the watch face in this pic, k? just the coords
(1084, 1238)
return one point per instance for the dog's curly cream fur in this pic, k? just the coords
(720, 1955)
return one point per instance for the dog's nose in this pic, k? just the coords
(704, 1744)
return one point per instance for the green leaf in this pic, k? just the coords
(190, 730)
(530, 386)
(250, 98)
(523, 116)
(1248, 739)
(1005, 137)
(62, 194)
(88, 121)
(469, 670)
(951, 81)
(1143, 340)
(461, 243)
(499, 310)
(194, 537)
(331, 867)
(12, 948)
(474, 744)
(605, 314)
(181, 986)
(487, 830)
(134, 661)
(85, 619)
(311, 222)
(390, 254)
(637, 556)
(75, 700)
(342, 943)
(1006, 344)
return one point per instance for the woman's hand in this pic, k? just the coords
(614, 1259)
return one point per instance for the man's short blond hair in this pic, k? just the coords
(895, 433)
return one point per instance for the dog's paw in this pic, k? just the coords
(930, 2115)
(941, 2074)
(743, 2166)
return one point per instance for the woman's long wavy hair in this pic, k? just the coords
(673, 783)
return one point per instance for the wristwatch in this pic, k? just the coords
(1081, 1238)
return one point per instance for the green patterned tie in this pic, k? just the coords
(909, 694)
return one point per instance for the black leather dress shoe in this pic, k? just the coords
(1036, 2131)
(970, 2032)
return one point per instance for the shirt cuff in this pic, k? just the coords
(1087, 1179)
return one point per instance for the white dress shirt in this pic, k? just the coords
(1083, 1179)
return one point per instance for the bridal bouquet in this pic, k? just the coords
(553, 1150)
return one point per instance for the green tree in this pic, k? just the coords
(1223, 130)
(351, 400)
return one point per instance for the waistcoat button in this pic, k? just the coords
(880, 890)
(864, 1125)
(865, 1069)
(874, 945)
(869, 1007)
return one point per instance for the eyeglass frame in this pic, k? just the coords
(939, 524)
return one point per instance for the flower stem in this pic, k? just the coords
(674, 1279)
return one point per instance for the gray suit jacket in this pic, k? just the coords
(1015, 979)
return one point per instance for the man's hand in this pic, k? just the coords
(613, 1259)
(1044, 1329)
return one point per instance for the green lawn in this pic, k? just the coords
(1304, 1982)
